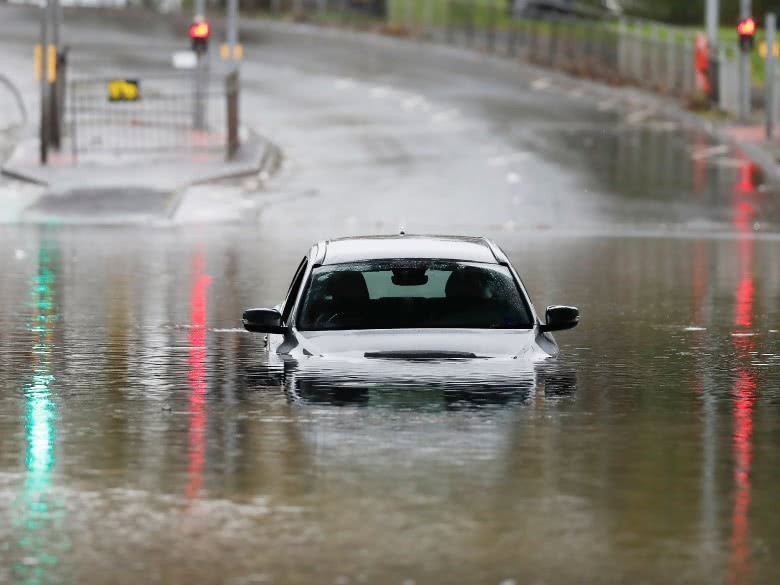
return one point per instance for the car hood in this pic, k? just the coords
(413, 344)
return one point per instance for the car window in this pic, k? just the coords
(394, 294)
(292, 292)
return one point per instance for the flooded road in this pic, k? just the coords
(145, 437)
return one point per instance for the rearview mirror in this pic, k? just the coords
(560, 318)
(263, 321)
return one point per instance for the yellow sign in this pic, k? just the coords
(124, 90)
(762, 49)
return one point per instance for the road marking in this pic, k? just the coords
(412, 103)
(445, 116)
(540, 84)
(640, 116)
(380, 91)
(344, 83)
(512, 178)
(663, 126)
(501, 160)
(608, 104)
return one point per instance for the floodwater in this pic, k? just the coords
(146, 438)
(143, 436)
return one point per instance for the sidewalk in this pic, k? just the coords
(201, 161)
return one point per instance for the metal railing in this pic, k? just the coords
(659, 58)
(150, 114)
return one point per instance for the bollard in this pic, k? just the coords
(231, 95)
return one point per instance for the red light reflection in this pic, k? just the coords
(745, 386)
(196, 437)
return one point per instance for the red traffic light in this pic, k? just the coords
(200, 30)
(747, 27)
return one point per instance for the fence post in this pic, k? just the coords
(231, 95)
(491, 25)
(512, 39)
(470, 24)
(74, 138)
(448, 22)
(771, 28)
(639, 61)
(429, 24)
(45, 102)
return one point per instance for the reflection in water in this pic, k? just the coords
(38, 514)
(745, 386)
(196, 435)
(423, 384)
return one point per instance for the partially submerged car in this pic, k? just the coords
(409, 297)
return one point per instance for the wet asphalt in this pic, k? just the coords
(144, 437)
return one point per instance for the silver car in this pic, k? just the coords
(409, 297)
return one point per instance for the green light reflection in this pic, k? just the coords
(39, 515)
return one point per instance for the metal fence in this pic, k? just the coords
(659, 58)
(146, 114)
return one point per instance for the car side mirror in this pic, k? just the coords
(560, 318)
(263, 321)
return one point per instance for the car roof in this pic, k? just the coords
(356, 249)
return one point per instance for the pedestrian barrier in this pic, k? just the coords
(151, 114)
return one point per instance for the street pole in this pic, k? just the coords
(44, 40)
(232, 31)
(55, 127)
(745, 9)
(771, 28)
(713, 34)
(201, 74)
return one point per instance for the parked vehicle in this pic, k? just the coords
(581, 8)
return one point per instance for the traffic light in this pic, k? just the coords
(747, 34)
(199, 34)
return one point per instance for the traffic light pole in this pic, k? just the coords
(771, 28)
(232, 31)
(201, 75)
(745, 9)
(201, 81)
(713, 34)
(43, 138)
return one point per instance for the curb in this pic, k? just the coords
(252, 157)
(269, 162)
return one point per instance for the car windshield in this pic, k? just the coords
(404, 294)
